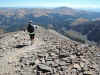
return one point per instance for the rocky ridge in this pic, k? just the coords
(51, 54)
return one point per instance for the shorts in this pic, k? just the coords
(32, 36)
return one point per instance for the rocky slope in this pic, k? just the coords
(51, 54)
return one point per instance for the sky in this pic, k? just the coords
(51, 3)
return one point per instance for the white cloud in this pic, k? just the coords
(50, 4)
(57, 4)
(85, 6)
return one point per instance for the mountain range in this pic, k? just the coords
(60, 19)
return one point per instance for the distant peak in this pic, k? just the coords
(63, 8)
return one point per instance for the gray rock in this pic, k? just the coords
(44, 68)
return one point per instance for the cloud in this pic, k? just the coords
(85, 6)
(58, 4)
(51, 4)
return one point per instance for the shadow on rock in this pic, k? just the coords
(20, 46)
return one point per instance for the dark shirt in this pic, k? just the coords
(30, 28)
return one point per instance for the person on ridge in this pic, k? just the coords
(31, 30)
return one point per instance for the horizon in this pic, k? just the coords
(82, 9)
(79, 4)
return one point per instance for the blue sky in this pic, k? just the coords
(51, 3)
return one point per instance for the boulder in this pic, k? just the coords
(77, 66)
(44, 68)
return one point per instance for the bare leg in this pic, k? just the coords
(32, 41)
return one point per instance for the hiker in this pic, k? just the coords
(31, 30)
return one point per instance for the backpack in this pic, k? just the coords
(30, 28)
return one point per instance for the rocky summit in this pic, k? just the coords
(51, 54)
